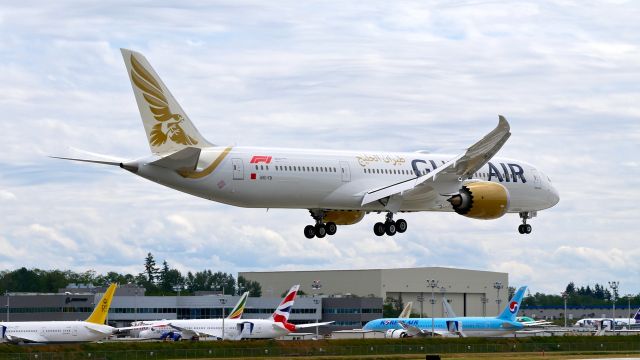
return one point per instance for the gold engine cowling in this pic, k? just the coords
(343, 217)
(481, 200)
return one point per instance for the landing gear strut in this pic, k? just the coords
(320, 229)
(390, 227)
(525, 228)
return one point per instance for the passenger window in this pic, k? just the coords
(261, 167)
(257, 167)
(267, 166)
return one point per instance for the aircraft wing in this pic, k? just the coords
(413, 330)
(303, 326)
(190, 333)
(26, 338)
(461, 166)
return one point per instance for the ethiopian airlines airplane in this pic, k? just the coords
(237, 329)
(92, 329)
(336, 187)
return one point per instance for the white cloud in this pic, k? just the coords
(375, 75)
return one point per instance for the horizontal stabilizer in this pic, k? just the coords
(87, 160)
(304, 326)
(183, 160)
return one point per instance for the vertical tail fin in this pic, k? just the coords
(168, 127)
(637, 316)
(406, 312)
(283, 310)
(99, 314)
(237, 311)
(511, 310)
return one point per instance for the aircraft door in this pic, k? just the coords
(346, 173)
(238, 169)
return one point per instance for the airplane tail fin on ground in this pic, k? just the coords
(99, 314)
(167, 126)
(283, 310)
(511, 310)
(237, 311)
(406, 312)
(637, 316)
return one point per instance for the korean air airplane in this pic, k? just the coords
(503, 324)
(92, 329)
(336, 187)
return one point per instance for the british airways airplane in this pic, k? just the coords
(336, 187)
(503, 324)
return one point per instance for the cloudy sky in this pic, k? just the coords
(390, 76)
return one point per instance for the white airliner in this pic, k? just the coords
(593, 322)
(337, 187)
(236, 329)
(161, 331)
(92, 329)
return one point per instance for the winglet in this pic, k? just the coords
(237, 311)
(99, 314)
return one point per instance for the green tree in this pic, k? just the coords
(150, 268)
(253, 287)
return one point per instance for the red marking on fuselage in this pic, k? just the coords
(256, 159)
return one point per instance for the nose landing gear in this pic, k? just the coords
(525, 228)
(390, 227)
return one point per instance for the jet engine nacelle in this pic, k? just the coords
(396, 334)
(343, 217)
(483, 200)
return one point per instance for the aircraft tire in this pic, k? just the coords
(331, 227)
(401, 225)
(521, 229)
(309, 231)
(379, 229)
(527, 229)
(390, 228)
(320, 230)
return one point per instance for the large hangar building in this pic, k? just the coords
(469, 292)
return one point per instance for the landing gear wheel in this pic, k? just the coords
(390, 228)
(527, 229)
(379, 229)
(320, 230)
(521, 229)
(309, 231)
(401, 225)
(331, 228)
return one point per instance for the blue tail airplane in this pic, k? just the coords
(503, 324)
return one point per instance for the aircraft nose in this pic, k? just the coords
(553, 195)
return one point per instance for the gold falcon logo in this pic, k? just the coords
(168, 126)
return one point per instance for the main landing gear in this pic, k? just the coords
(320, 229)
(525, 228)
(390, 227)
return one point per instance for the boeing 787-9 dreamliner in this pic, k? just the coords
(336, 187)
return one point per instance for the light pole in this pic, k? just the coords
(629, 304)
(135, 304)
(614, 289)
(484, 301)
(564, 297)
(223, 302)
(433, 284)
(315, 286)
(177, 288)
(420, 298)
(498, 285)
(6, 293)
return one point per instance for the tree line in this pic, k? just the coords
(157, 280)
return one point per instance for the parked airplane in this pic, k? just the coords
(406, 311)
(160, 330)
(337, 187)
(503, 324)
(236, 329)
(92, 329)
(593, 322)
